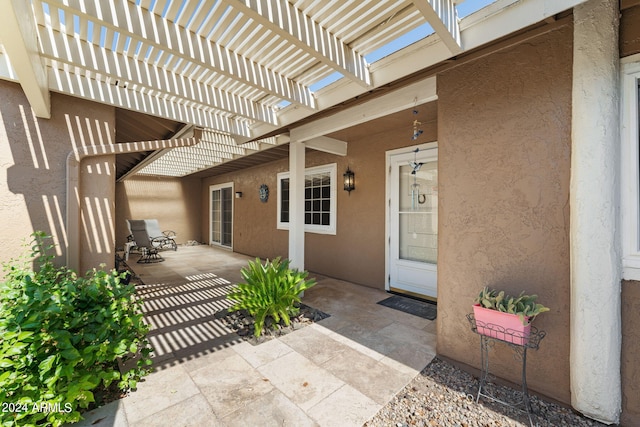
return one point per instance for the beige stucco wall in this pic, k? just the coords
(97, 187)
(174, 202)
(356, 252)
(504, 156)
(33, 155)
(254, 222)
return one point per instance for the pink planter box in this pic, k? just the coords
(503, 326)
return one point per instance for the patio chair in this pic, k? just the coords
(164, 239)
(147, 245)
(161, 239)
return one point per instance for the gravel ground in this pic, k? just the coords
(442, 395)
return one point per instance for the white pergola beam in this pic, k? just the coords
(111, 94)
(328, 145)
(491, 23)
(417, 93)
(73, 51)
(141, 25)
(443, 18)
(308, 35)
(18, 35)
(506, 16)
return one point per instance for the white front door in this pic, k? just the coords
(221, 215)
(412, 233)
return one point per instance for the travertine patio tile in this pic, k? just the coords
(397, 316)
(350, 342)
(258, 355)
(301, 380)
(415, 358)
(347, 407)
(335, 372)
(110, 415)
(403, 334)
(372, 378)
(194, 411)
(231, 384)
(158, 391)
(314, 345)
(431, 328)
(271, 409)
(374, 341)
(210, 360)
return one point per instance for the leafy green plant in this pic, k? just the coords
(61, 337)
(523, 305)
(270, 289)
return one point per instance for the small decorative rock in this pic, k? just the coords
(242, 323)
(442, 395)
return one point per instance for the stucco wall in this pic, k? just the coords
(33, 155)
(174, 202)
(254, 222)
(356, 252)
(97, 186)
(504, 155)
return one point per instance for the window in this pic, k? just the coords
(319, 199)
(630, 175)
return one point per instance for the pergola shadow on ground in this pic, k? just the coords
(182, 294)
(338, 371)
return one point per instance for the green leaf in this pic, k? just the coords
(46, 364)
(70, 354)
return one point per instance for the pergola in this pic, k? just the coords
(245, 72)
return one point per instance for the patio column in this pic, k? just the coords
(296, 204)
(594, 200)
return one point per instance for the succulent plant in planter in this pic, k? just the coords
(506, 317)
(524, 306)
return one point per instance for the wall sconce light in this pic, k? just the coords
(238, 194)
(349, 180)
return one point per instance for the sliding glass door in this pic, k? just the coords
(221, 215)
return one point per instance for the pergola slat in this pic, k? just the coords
(111, 94)
(169, 36)
(306, 34)
(443, 17)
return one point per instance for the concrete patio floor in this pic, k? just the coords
(337, 372)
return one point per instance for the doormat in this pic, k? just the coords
(411, 306)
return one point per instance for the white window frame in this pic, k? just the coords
(333, 204)
(630, 168)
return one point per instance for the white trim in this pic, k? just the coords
(630, 169)
(220, 187)
(311, 228)
(387, 200)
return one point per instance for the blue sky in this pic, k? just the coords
(464, 9)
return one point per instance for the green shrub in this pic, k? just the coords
(272, 289)
(61, 337)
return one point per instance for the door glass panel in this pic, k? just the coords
(215, 216)
(227, 216)
(418, 213)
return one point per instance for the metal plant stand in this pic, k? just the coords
(519, 354)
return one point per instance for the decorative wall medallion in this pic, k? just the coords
(264, 193)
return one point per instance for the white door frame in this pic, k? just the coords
(388, 218)
(219, 187)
